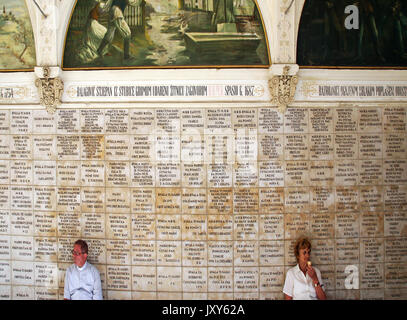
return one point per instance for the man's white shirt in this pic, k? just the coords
(300, 286)
(82, 283)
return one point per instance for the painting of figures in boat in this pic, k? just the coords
(349, 33)
(165, 33)
(17, 51)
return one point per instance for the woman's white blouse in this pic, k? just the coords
(300, 287)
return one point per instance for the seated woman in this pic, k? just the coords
(303, 282)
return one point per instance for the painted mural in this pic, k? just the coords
(165, 33)
(378, 37)
(17, 50)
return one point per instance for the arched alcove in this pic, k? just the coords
(368, 34)
(166, 34)
(17, 49)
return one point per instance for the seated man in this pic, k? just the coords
(82, 280)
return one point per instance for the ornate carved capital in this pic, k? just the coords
(282, 89)
(50, 90)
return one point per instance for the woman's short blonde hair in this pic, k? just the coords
(301, 243)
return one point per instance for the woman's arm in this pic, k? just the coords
(318, 289)
(288, 286)
(320, 292)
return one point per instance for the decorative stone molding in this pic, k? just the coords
(50, 89)
(283, 85)
(44, 14)
(285, 32)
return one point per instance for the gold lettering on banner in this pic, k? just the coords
(50, 90)
(282, 89)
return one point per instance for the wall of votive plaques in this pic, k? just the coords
(204, 203)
